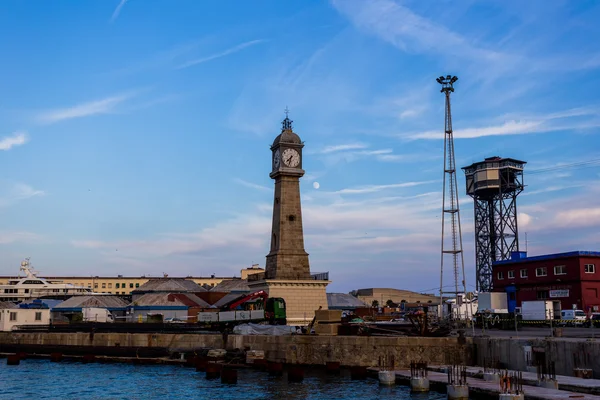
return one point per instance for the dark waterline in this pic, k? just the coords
(41, 379)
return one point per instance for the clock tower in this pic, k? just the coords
(287, 273)
(287, 258)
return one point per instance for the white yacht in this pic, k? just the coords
(31, 287)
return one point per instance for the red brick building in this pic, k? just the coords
(572, 278)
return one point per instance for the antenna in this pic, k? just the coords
(450, 204)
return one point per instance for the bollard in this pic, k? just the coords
(201, 364)
(275, 368)
(511, 396)
(190, 361)
(491, 377)
(55, 357)
(458, 392)
(548, 383)
(22, 355)
(260, 364)
(332, 367)
(419, 385)
(387, 377)
(213, 370)
(13, 359)
(295, 373)
(229, 375)
(358, 373)
(88, 358)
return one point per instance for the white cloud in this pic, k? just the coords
(224, 53)
(408, 31)
(527, 125)
(251, 185)
(378, 188)
(16, 139)
(578, 217)
(18, 192)
(17, 237)
(342, 147)
(117, 11)
(102, 106)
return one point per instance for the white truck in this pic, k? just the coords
(95, 314)
(539, 310)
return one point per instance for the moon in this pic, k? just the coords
(316, 185)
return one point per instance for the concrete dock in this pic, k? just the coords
(569, 383)
(481, 387)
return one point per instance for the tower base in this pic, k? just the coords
(302, 297)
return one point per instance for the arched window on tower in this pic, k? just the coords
(274, 242)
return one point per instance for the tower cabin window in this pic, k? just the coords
(589, 268)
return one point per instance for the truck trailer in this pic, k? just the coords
(255, 307)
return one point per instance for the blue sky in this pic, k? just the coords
(134, 135)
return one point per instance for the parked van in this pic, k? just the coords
(577, 316)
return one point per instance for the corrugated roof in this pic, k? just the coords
(169, 285)
(343, 300)
(226, 299)
(7, 304)
(232, 285)
(92, 301)
(170, 299)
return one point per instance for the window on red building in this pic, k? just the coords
(500, 275)
(543, 294)
(511, 274)
(560, 270)
(523, 273)
(589, 268)
(541, 271)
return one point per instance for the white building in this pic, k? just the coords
(11, 317)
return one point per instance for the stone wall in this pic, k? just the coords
(302, 297)
(314, 350)
(566, 353)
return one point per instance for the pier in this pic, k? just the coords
(478, 388)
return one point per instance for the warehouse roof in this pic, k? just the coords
(7, 304)
(102, 301)
(232, 285)
(158, 300)
(169, 285)
(338, 301)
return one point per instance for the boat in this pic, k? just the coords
(32, 287)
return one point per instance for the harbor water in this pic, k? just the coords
(41, 379)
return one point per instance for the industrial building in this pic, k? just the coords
(572, 278)
(382, 295)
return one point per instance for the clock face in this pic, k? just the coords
(276, 159)
(291, 158)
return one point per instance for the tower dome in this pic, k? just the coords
(287, 135)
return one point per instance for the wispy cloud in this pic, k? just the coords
(568, 120)
(117, 11)
(408, 31)
(16, 139)
(14, 237)
(224, 53)
(378, 188)
(18, 192)
(342, 147)
(103, 106)
(252, 185)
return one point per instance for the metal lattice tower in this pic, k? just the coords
(450, 205)
(494, 185)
